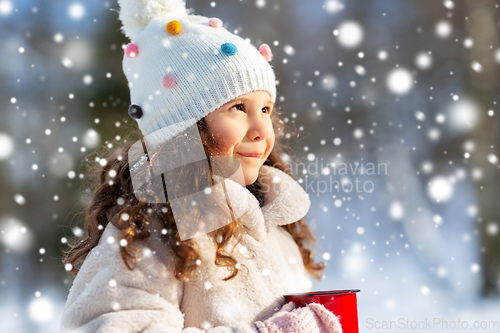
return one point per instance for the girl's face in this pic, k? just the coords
(243, 129)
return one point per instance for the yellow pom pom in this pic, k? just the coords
(174, 27)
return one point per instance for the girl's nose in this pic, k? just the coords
(258, 129)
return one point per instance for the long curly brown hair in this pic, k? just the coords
(113, 200)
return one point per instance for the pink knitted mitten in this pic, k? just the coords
(313, 318)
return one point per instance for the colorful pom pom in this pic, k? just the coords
(265, 50)
(174, 27)
(229, 48)
(135, 111)
(168, 81)
(131, 50)
(214, 22)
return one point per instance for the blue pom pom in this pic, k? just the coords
(229, 48)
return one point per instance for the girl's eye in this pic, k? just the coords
(240, 106)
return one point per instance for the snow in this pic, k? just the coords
(289, 50)
(76, 11)
(87, 79)
(396, 210)
(463, 115)
(440, 189)
(91, 138)
(6, 146)
(350, 34)
(443, 29)
(41, 309)
(6, 7)
(333, 6)
(399, 81)
(476, 66)
(423, 61)
(492, 158)
(382, 55)
(19, 199)
(14, 234)
(58, 37)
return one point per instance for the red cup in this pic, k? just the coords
(341, 303)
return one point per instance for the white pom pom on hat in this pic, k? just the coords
(136, 14)
(180, 67)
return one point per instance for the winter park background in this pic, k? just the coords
(396, 101)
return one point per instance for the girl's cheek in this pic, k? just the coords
(231, 140)
(231, 131)
(272, 134)
(226, 140)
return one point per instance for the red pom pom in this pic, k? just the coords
(168, 81)
(214, 22)
(265, 50)
(131, 50)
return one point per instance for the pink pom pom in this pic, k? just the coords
(265, 50)
(214, 22)
(131, 50)
(168, 81)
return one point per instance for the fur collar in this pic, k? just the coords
(285, 201)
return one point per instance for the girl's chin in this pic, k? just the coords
(250, 182)
(250, 175)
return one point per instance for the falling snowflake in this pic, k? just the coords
(399, 81)
(6, 146)
(423, 61)
(443, 29)
(440, 189)
(41, 310)
(424, 290)
(76, 11)
(350, 34)
(6, 7)
(396, 210)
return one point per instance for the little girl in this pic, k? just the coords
(197, 226)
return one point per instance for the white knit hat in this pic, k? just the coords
(180, 67)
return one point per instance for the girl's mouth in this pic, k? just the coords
(251, 155)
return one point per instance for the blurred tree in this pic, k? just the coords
(483, 86)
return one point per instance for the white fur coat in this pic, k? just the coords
(107, 297)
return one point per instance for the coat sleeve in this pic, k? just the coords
(107, 297)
